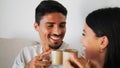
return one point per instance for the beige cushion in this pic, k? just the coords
(9, 49)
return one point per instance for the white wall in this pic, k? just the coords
(17, 18)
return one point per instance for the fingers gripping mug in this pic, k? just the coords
(67, 54)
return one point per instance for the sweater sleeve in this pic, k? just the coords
(19, 60)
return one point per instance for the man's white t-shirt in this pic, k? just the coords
(29, 52)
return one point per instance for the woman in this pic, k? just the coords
(101, 39)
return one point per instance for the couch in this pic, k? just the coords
(9, 48)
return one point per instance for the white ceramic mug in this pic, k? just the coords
(57, 57)
(67, 54)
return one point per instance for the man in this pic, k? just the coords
(50, 23)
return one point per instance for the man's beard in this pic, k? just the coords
(55, 47)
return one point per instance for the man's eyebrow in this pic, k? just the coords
(63, 22)
(49, 22)
(54, 23)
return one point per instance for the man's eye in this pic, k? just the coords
(50, 25)
(62, 25)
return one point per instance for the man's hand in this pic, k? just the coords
(42, 61)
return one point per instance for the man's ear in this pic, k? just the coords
(36, 26)
(104, 42)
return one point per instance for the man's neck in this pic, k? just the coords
(46, 49)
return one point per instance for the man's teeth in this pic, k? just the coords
(55, 38)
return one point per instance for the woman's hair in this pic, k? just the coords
(106, 22)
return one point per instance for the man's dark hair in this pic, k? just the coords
(48, 6)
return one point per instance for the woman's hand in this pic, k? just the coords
(75, 62)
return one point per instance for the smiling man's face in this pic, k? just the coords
(52, 29)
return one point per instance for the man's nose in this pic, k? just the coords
(57, 31)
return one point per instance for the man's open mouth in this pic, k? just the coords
(55, 38)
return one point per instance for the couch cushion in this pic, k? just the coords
(9, 48)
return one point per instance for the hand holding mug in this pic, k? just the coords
(75, 62)
(40, 61)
